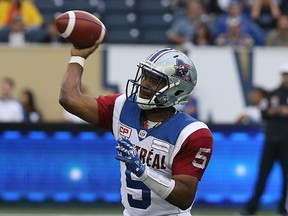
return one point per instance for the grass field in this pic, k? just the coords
(107, 210)
(203, 212)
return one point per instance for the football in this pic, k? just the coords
(81, 28)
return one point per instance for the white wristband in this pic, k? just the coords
(77, 59)
(158, 183)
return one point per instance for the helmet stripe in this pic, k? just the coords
(158, 54)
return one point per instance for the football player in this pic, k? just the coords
(163, 153)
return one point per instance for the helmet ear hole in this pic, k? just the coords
(178, 92)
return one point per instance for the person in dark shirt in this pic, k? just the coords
(265, 13)
(51, 34)
(31, 113)
(275, 113)
(284, 7)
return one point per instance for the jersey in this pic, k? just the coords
(180, 145)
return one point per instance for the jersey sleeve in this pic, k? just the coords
(194, 155)
(105, 110)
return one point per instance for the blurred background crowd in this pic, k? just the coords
(181, 22)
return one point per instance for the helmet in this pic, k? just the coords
(171, 66)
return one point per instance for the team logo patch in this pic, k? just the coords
(142, 134)
(160, 145)
(125, 131)
(182, 70)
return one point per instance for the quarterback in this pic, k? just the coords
(163, 153)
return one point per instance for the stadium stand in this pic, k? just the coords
(49, 8)
(159, 6)
(153, 27)
(127, 21)
(120, 20)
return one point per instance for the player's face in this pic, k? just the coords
(6, 89)
(150, 84)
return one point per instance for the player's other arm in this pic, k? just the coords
(71, 97)
(188, 167)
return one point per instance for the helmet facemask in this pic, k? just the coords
(157, 97)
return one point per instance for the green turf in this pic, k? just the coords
(106, 209)
(116, 211)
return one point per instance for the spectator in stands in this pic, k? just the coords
(10, 108)
(16, 35)
(265, 13)
(284, 7)
(27, 10)
(31, 112)
(248, 27)
(183, 28)
(216, 8)
(279, 36)
(234, 37)
(51, 35)
(202, 35)
(251, 113)
(31, 16)
(178, 7)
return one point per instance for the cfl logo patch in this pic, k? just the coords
(142, 134)
(125, 131)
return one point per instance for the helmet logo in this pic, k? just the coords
(182, 70)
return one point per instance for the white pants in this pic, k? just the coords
(125, 213)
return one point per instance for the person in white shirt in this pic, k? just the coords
(251, 113)
(11, 109)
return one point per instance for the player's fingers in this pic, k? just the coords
(122, 142)
(125, 143)
(95, 46)
(125, 146)
(97, 43)
(84, 52)
(122, 150)
(120, 158)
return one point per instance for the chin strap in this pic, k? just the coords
(143, 103)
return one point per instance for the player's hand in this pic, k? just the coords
(128, 154)
(84, 52)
